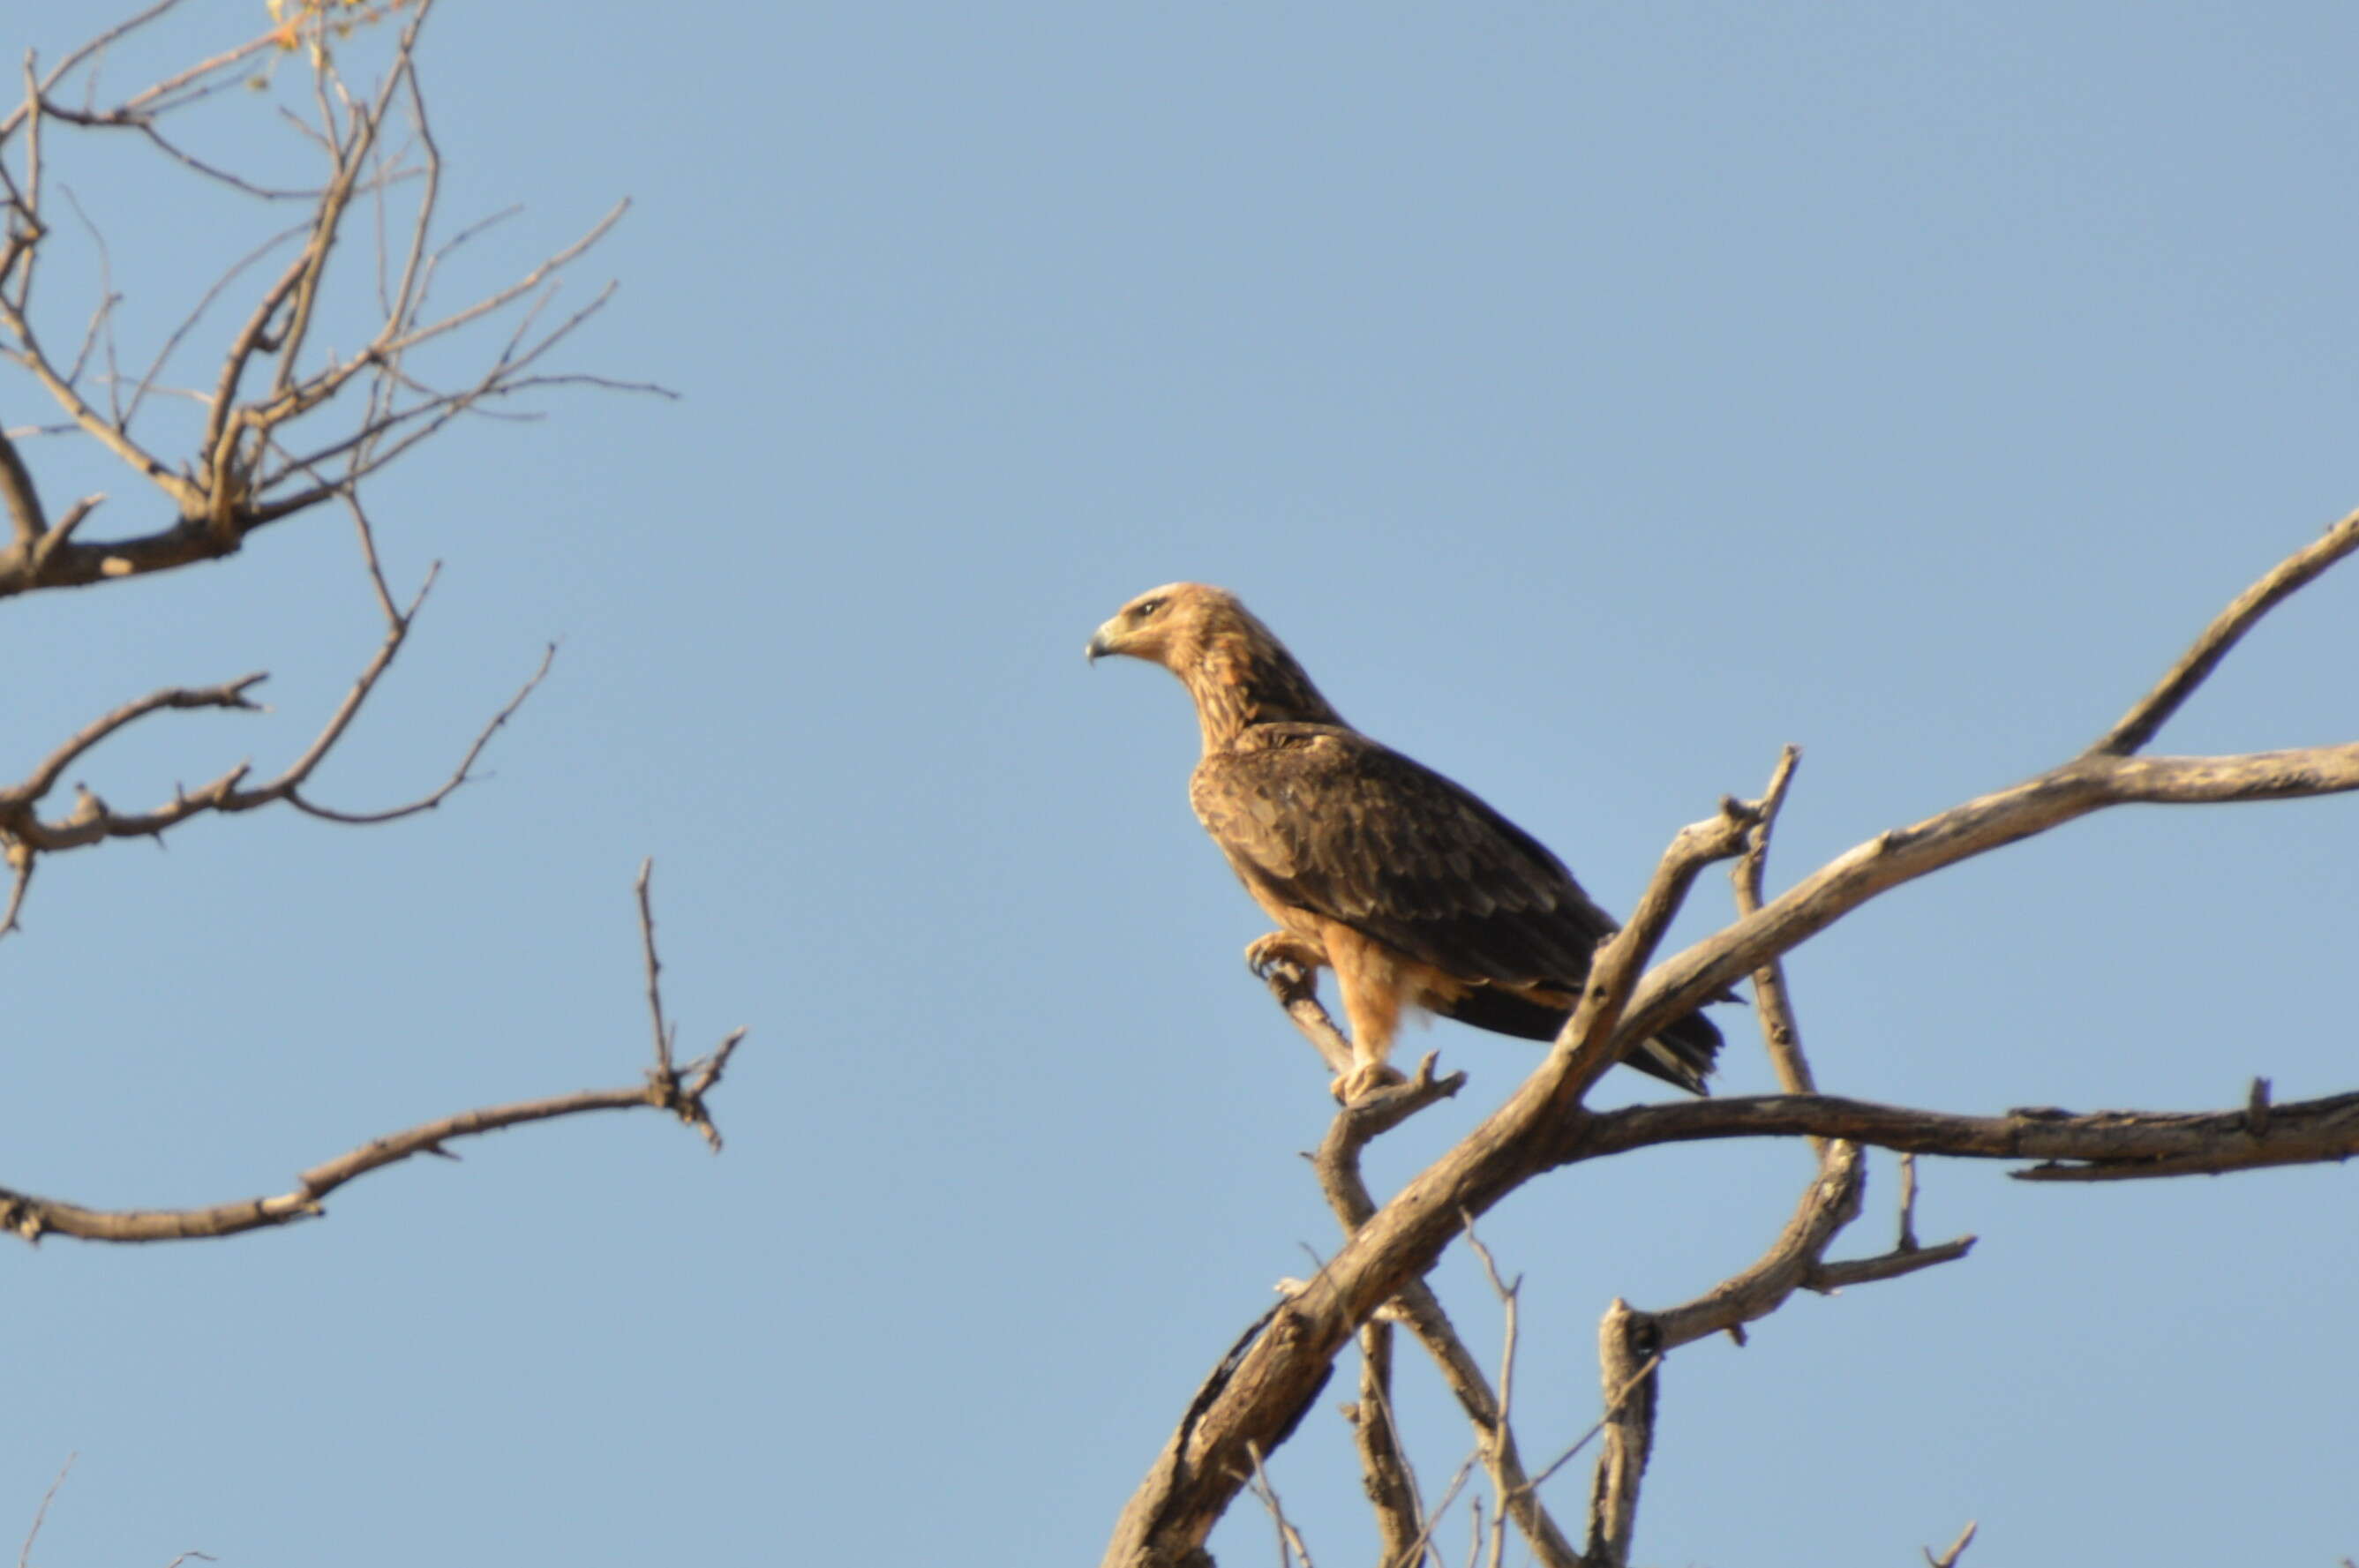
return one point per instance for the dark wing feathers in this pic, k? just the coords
(1334, 822)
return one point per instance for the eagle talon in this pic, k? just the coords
(1281, 953)
(1366, 1079)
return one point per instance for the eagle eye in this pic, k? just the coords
(1146, 609)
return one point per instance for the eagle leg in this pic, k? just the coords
(1298, 960)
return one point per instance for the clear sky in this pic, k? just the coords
(1595, 397)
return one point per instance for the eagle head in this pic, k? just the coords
(1165, 625)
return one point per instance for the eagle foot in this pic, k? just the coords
(1365, 1079)
(1281, 951)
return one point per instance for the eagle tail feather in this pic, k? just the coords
(1682, 1054)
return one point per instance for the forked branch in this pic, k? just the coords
(272, 447)
(1258, 1393)
(27, 833)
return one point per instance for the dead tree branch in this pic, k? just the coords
(1337, 1163)
(680, 1091)
(1958, 1549)
(1419, 1310)
(272, 446)
(2089, 783)
(26, 833)
(1255, 1397)
(1297, 990)
(1385, 1472)
(2104, 1145)
(1780, 1032)
(1631, 1364)
(41, 1514)
(2151, 712)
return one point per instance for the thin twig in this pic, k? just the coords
(41, 1514)
(1495, 1451)
(463, 774)
(1586, 1438)
(1957, 1549)
(653, 964)
(2151, 712)
(223, 496)
(1290, 1540)
(34, 1217)
(1434, 1515)
(1417, 1308)
(21, 861)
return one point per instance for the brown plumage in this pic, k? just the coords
(1414, 891)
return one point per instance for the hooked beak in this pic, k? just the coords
(1100, 645)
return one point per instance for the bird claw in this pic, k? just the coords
(1281, 955)
(1365, 1079)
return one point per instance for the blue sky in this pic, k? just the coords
(1596, 398)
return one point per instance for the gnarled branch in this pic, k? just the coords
(1258, 1393)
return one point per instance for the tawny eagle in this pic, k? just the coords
(1412, 890)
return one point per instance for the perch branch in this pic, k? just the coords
(1297, 990)
(1258, 1393)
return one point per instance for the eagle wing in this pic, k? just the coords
(1321, 817)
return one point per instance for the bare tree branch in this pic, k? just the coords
(1779, 1030)
(41, 1514)
(1797, 1258)
(1828, 1278)
(1907, 1241)
(461, 774)
(1586, 1438)
(2089, 783)
(654, 964)
(1337, 1163)
(2151, 712)
(1258, 1392)
(1420, 1311)
(1958, 1549)
(2075, 789)
(26, 518)
(21, 825)
(680, 1091)
(1498, 1455)
(1385, 1472)
(25, 834)
(1631, 1366)
(44, 777)
(257, 461)
(2106, 1145)
(1297, 990)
